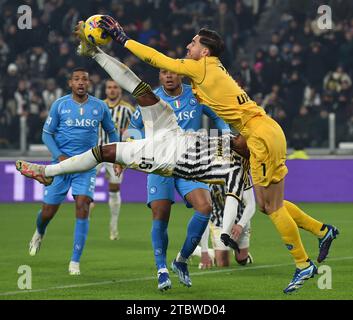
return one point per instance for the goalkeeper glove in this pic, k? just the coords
(114, 29)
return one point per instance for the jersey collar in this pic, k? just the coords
(112, 106)
(174, 97)
(80, 104)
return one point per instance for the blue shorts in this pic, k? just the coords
(82, 184)
(162, 188)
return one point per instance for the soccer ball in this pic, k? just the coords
(95, 35)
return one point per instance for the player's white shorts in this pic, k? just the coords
(110, 173)
(164, 142)
(217, 244)
(168, 150)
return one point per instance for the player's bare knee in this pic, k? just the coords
(205, 209)
(114, 187)
(82, 213)
(161, 209)
(48, 211)
(160, 213)
(203, 205)
(82, 207)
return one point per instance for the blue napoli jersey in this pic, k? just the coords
(187, 110)
(75, 126)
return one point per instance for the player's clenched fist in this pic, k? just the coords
(114, 29)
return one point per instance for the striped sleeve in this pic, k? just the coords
(124, 118)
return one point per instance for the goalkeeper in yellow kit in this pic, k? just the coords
(213, 86)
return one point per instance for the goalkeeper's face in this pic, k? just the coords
(79, 83)
(196, 50)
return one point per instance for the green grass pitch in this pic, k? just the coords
(125, 269)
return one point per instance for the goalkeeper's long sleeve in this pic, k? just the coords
(188, 67)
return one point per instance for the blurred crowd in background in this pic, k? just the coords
(300, 76)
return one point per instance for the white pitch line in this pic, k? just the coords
(208, 272)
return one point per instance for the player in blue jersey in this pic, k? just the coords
(160, 189)
(70, 129)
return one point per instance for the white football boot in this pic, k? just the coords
(74, 268)
(35, 243)
(114, 235)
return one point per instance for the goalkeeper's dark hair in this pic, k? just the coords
(211, 40)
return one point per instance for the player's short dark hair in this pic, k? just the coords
(109, 80)
(211, 40)
(78, 69)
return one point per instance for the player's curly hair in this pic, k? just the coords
(211, 40)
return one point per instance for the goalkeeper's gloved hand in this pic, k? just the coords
(114, 29)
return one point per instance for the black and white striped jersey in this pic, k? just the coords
(211, 160)
(218, 195)
(121, 115)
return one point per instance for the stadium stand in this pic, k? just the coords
(296, 71)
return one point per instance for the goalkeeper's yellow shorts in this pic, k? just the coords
(268, 147)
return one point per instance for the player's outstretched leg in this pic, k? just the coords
(80, 163)
(325, 232)
(34, 171)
